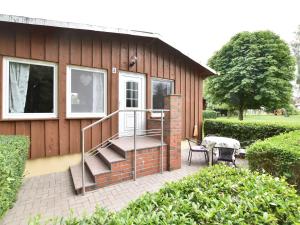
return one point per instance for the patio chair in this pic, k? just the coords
(196, 148)
(226, 155)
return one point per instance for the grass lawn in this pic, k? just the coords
(293, 120)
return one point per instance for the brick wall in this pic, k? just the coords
(172, 130)
(148, 162)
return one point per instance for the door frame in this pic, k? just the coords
(143, 96)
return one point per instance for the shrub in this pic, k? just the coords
(215, 195)
(13, 154)
(209, 114)
(292, 110)
(279, 156)
(246, 132)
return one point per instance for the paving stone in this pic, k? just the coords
(53, 196)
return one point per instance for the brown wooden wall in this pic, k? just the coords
(94, 49)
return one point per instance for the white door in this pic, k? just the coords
(131, 96)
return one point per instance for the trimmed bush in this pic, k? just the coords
(215, 195)
(246, 132)
(279, 156)
(13, 154)
(292, 110)
(209, 114)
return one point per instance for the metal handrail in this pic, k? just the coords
(123, 110)
(161, 111)
(99, 121)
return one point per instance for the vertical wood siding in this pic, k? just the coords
(99, 50)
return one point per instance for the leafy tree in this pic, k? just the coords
(296, 49)
(255, 70)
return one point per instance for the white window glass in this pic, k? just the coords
(160, 89)
(29, 89)
(132, 94)
(86, 92)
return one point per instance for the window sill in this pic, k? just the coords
(28, 119)
(84, 118)
(73, 116)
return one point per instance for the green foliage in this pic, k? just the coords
(279, 156)
(293, 120)
(296, 50)
(209, 114)
(246, 132)
(13, 154)
(255, 70)
(215, 195)
(292, 110)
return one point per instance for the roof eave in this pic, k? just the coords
(78, 26)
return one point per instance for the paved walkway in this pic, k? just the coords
(52, 195)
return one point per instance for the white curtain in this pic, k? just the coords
(18, 83)
(98, 92)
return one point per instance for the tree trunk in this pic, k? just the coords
(241, 112)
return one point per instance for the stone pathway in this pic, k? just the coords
(52, 195)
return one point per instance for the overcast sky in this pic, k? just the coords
(198, 28)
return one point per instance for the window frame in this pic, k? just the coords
(78, 115)
(6, 115)
(136, 99)
(158, 115)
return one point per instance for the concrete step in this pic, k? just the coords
(95, 165)
(110, 156)
(76, 174)
(117, 149)
(142, 142)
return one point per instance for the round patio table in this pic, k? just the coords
(212, 142)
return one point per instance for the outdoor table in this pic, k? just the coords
(212, 142)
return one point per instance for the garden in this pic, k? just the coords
(271, 147)
(215, 195)
(268, 193)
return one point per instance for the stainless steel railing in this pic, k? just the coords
(107, 142)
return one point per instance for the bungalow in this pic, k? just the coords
(58, 77)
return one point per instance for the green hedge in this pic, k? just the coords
(209, 114)
(279, 156)
(13, 154)
(246, 132)
(215, 195)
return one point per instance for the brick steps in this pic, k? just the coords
(95, 165)
(110, 156)
(114, 164)
(126, 143)
(76, 172)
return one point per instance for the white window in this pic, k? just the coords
(132, 92)
(29, 89)
(86, 92)
(160, 89)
